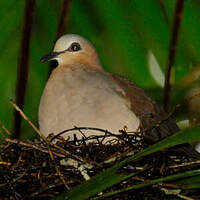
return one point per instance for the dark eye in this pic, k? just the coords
(75, 47)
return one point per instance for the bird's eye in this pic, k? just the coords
(75, 47)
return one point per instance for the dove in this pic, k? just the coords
(79, 93)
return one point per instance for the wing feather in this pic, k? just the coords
(154, 121)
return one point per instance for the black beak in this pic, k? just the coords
(49, 56)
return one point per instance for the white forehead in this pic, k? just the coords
(65, 41)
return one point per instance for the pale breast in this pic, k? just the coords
(84, 97)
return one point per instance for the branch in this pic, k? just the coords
(22, 66)
(64, 17)
(172, 50)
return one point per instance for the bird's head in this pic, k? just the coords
(73, 49)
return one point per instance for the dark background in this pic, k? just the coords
(132, 38)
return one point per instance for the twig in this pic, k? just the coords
(44, 139)
(7, 164)
(95, 137)
(75, 157)
(27, 119)
(22, 66)
(172, 50)
(185, 164)
(82, 128)
(41, 135)
(83, 135)
(80, 167)
(172, 192)
(64, 17)
(57, 169)
(43, 189)
(11, 188)
(4, 128)
(158, 123)
(26, 144)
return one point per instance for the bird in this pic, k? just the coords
(79, 93)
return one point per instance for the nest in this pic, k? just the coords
(35, 170)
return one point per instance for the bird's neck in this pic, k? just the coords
(80, 63)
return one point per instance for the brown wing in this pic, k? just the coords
(156, 123)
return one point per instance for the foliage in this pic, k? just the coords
(125, 34)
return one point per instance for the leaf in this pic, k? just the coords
(188, 182)
(111, 177)
(152, 182)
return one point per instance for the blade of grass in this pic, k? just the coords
(192, 186)
(111, 177)
(188, 181)
(149, 183)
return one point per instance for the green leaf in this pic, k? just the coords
(159, 180)
(187, 182)
(111, 177)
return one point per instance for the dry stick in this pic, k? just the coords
(173, 43)
(40, 134)
(64, 17)
(28, 120)
(22, 66)
(30, 145)
(43, 137)
(58, 171)
(37, 130)
(174, 193)
(43, 189)
(5, 129)
(75, 157)
(185, 164)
